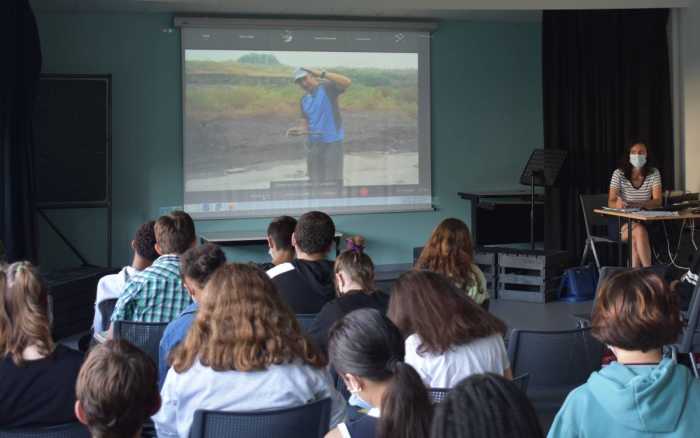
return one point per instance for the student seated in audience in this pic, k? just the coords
(449, 251)
(367, 350)
(111, 286)
(157, 294)
(485, 406)
(244, 352)
(306, 284)
(196, 265)
(354, 283)
(279, 241)
(448, 336)
(116, 390)
(642, 394)
(37, 377)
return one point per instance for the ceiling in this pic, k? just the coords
(483, 10)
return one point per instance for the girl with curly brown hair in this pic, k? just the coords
(244, 352)
(449, 252)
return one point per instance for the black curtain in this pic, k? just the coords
(606, 81)
(19, 80)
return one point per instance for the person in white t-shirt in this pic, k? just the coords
(111, 286)
(244, 352)
(448, 336)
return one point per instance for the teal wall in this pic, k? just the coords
(486, 119)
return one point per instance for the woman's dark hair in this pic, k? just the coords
(627, 167)
(486, 405)
(635, 310)
(367, 344)
(200, 262)
(430, 305)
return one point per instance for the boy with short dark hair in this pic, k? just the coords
(157, 293)
(306, 284)
(116, 390)
(279, 241)
(111, 286)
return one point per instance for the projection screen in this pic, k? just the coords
(285, 120)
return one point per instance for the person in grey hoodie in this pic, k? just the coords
(642, 394)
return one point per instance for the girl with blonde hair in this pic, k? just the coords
(37, 377)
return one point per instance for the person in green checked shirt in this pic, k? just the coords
(157, 293)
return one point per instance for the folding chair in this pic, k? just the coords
(592, 221)
(144, 335)
(311, 420)
(556, 361)
(106, 308)
(522, 382)
(437, 395)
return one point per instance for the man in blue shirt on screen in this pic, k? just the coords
(321, 122)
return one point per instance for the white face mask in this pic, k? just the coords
(638, 160)
(269, 251)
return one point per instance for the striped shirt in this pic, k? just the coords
(155, 294)
(632, 195)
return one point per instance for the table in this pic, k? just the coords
(641, 216)
(247, 238)
(488, 199)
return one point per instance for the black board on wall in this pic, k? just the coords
(72, 148)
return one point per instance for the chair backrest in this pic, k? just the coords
(311, 420)
(106, 308)
(305, 320)
(144, 335)
(437, 395)
(522, 381)
(690, 339)
(554, 359)
(590, 203)
(70, 430)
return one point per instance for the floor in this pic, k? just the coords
(557, 315)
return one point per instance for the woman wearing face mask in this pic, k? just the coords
(635, 185)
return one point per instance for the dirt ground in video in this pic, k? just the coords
(249, 153)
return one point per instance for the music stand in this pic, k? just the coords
(542, 170)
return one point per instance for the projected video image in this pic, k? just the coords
(260, 120)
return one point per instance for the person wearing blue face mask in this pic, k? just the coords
(635, 184)
(367, 350)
